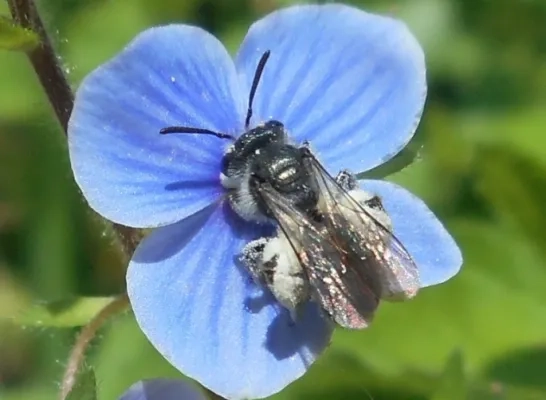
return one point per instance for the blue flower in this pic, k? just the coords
(163, 389)
(351, 83)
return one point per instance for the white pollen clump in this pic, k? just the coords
(240, 197)
(361, 196)
(173, 79)
(229, 182)
(289, 285)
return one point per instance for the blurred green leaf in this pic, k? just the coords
(31, 392)
(20, 96)
(15, 37)
(452, 384)
(339, 375)
(85, 387)
(499, 391)
(102, 26)
(515, 186)
(62, 314)
(523, 367)
(520, 129)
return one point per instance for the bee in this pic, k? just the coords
(333, 242)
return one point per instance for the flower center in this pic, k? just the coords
(262, 160)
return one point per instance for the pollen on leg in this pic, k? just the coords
(288, 284)
(373, 205)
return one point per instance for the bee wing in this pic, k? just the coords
(398, 274)
(347, 288)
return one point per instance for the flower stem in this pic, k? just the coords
(77, 354)
(44, 61)
(47, 66)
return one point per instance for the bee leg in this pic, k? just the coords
(252, 258)
(347, 180)
(375, 203)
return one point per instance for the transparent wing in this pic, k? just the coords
(342, 280)
(374, 242)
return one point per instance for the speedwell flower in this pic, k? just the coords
(351, 83)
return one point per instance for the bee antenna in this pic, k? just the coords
(186, 129)
(255, 81)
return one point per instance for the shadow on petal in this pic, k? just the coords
(195, 304)
(166, 249)
(286, 337)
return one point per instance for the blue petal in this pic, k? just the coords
(128, 172)
(351, 83)
(163, 389)
(206, 316)
(432, 248)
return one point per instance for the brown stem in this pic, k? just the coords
(128, 238)
(77, 354)
(46, 64)
(44, 61)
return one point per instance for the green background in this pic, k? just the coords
(482, 169)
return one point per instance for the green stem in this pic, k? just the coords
(86, 335)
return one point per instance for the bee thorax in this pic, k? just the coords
(263, 157)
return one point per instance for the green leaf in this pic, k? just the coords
(102, 26)
(515, 187)
(85, 387)
(15, 37)
(62, 314)
(520, 368)
(122, 343)
(339, 375)
(453, 383)
(500, 391)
